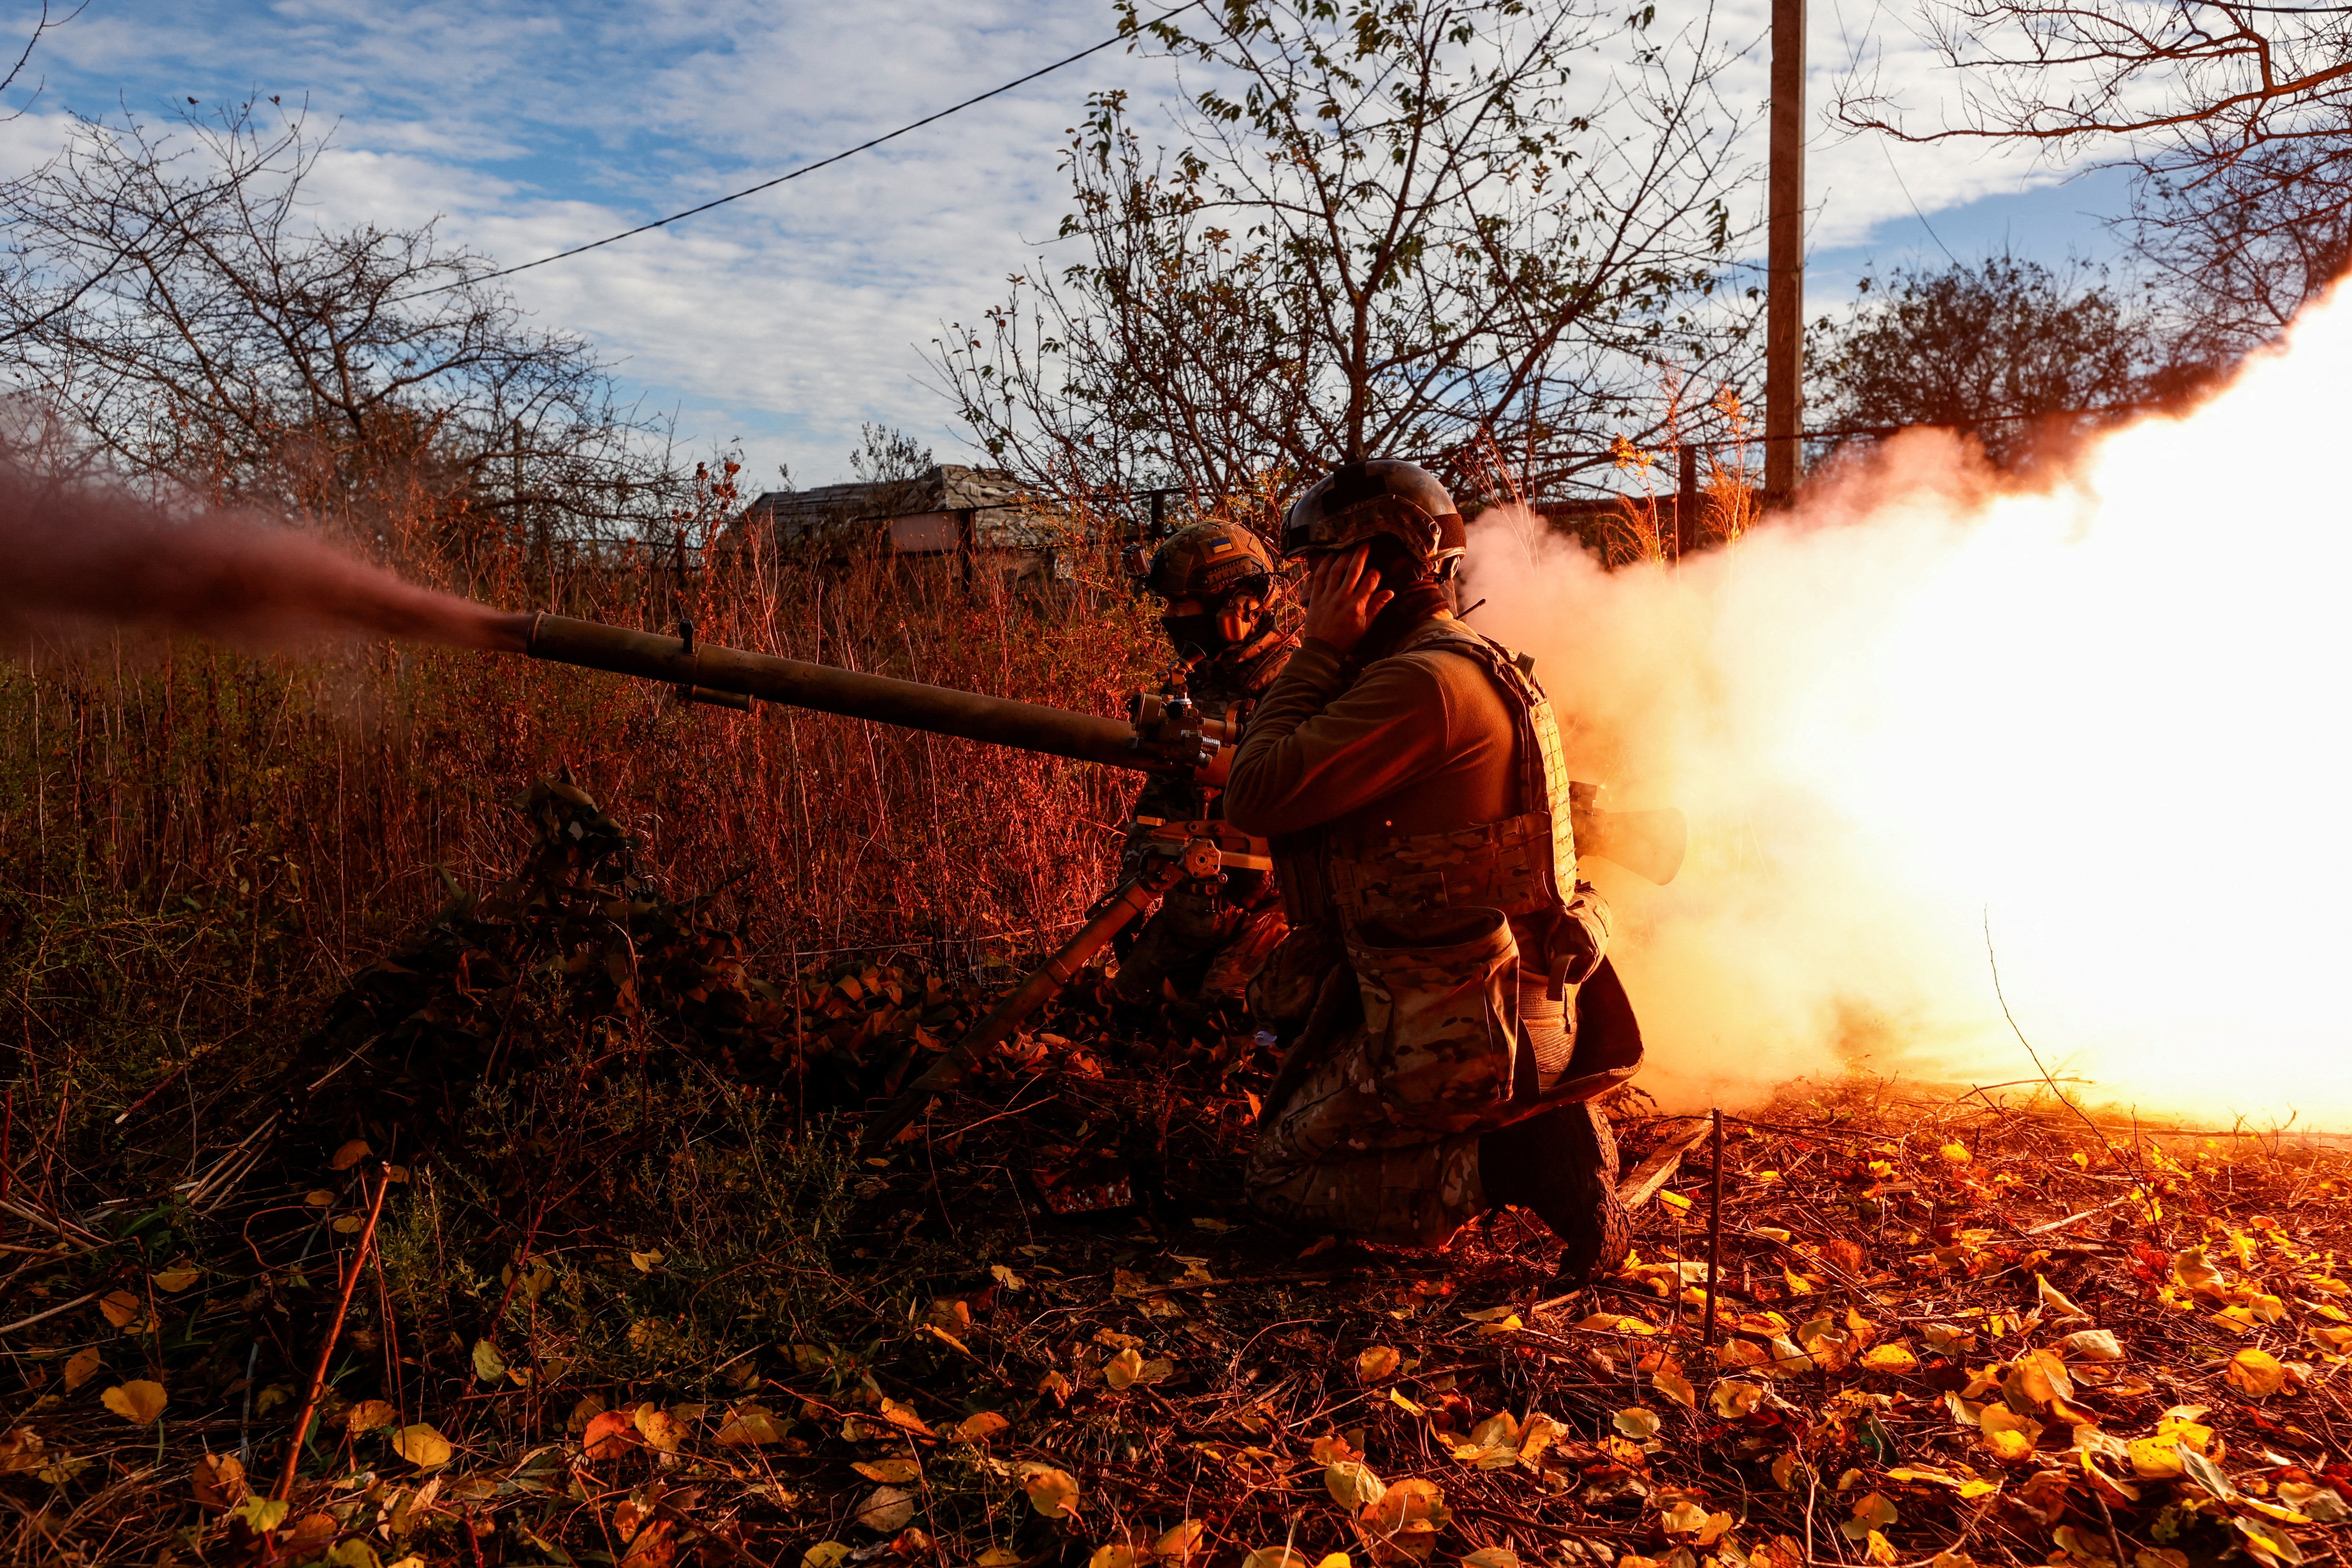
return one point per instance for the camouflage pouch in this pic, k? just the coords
(1439, 1034)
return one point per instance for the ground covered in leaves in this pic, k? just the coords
(569, 1205)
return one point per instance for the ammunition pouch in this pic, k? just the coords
(1439, 1009)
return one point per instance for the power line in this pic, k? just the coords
(807, 168)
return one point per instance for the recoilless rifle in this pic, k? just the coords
(1164, 732)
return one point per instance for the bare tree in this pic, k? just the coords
(2236, 118)
(1392, 224)
(2006, 350)
(172, 300)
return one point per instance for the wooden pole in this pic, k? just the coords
(285, 1487)
(1784, 304)
(1714, 1232)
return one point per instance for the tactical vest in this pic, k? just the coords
(1521, 865)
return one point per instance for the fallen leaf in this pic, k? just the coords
(422, 1445)
(2057, 1300)
(1377, 1362)
(489, 1365)
(645, 1262)
(349, 1154)
(1353, 1484)
(1669, 1381)
(1181, 1542)
(122, 1309)
(749, 1426)
(139, 1402)
(1889, 1358)
(175, 1280)
(1637, 1423)
(2008, 1437)
(1113, 1554)
(825, 1554)
(81, 1366)
(1123, 1368)
(1733, 1399)
(892, 1472)
(658, 1427)
(370, 1414)
(610, 1434)
(981, 1428)
(2255, 1373)
(1276, 1557)
(903, 1418)
(2093, 1345)
(887, 1512)
(1872, 1511)
(1053, 1493)
(1004, 1277)
(1487, 1557)
(218, 1480)
(2323, 1504)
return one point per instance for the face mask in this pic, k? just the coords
(1193, 634)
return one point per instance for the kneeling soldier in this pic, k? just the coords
(1464, 1017)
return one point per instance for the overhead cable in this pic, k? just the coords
(808, 168)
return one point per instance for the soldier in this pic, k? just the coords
(1207, 940)
(1465, 1015)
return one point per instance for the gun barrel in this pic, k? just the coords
(941, 710)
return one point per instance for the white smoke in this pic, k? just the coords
(2108, 720)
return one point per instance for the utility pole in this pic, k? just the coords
(1784, 260)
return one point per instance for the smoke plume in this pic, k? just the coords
(78, 555)
(1965, 765)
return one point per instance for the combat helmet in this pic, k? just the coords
(1361, 500)
(1208, 561)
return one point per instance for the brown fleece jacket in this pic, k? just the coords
(1422, 743)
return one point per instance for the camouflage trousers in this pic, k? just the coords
(1379, 1139)
(1201, 948)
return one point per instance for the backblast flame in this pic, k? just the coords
(2094, 735)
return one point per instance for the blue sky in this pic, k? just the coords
(784, 321)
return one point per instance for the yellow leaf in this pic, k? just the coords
(887, 1511)
(1397, 1398)
(1053, 1493)
(319, 1198)
(422, 1445)
(81, 1366)
(645, 1262)
(1274, 1557)
(1342, 1560)
(2093, 1345)
(893, 1472)
(1112, 1554)
(1879, 1549)
(2056, 1299)
(1669, 1381)
(1352, 1485)
(1181, 1542)
(1377, 1362)
(1889, 1358)
(2255, 1373)
(1489, 1557)
(488, 1365)
(370, 1414)
(1957, 1154)
(350, 1155)
(656, 1426)
(1637, 1423)
(2008, 1436)
(139, 1402)
(826, 1554)
(122, 1309)
(172, 1280)
(1123, 1368)
(749, 1426)
(980, 1428)
(903, 1418)
(1733, 1399)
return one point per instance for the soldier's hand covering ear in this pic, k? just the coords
(1343, 594)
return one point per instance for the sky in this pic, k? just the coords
(783, 321)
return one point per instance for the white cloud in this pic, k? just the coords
(789, 317)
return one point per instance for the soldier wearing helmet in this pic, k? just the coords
(1463, 1015)
(1219, 588)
